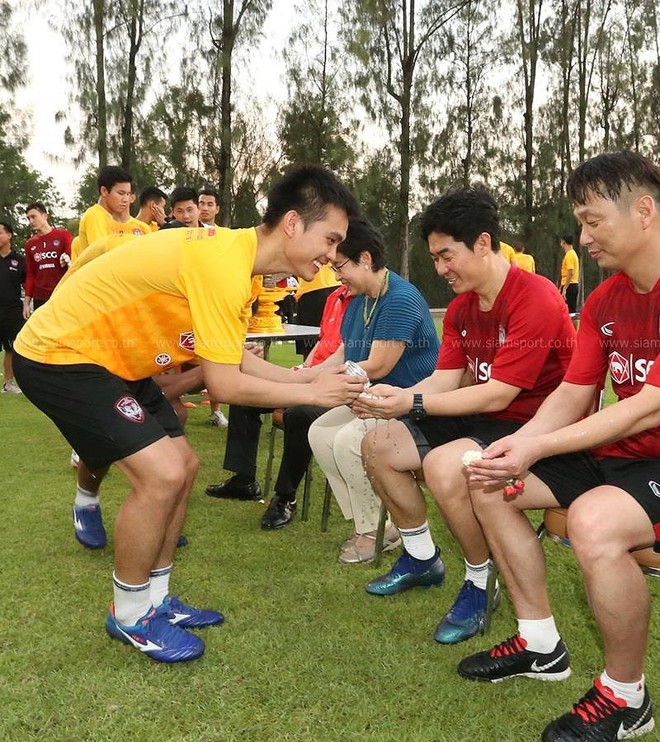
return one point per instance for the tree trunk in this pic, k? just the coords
(102, 105)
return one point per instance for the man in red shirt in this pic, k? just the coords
(513, 358)
(245, 425)
(616, 200)
(47, 257)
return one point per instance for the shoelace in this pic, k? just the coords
(512, 645)
(595, 705)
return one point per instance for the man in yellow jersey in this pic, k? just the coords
(152, 207)
(570, 273)
(523, 260)
(86, 358)
(507, 251)
(209, 206)
(110, 215)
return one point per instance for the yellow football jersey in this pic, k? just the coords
(186, 293)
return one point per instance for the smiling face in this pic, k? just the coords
(309, 247)
(611, 230)
(462, 268)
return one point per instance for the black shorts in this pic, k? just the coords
(10, 325)
(566, 475)
(435, 431)
(640, 478)
(103, 417)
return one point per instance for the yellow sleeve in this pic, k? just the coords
(507, 251)
(219, 318)
(96, 222)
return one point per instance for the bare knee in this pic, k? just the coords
(377, 452)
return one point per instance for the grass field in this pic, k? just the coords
(305, 653)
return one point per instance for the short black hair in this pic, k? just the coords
(362, 236)
(8, 227)
(607, 174)
(206, 191)
(151, 193)
(567, 238)
(37, 206)
(182, 193)
(309, 190)
(110, 175)
(463, 214)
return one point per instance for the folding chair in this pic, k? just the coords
(277, 423)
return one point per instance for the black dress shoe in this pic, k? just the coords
(229, 490)
(279, 514)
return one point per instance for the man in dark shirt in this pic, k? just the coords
(12, 277)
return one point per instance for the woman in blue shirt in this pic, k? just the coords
(388, 331)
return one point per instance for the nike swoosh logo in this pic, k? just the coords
(77, 524)
(540, 668)
(624, 731)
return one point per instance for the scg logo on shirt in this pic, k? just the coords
(628, 369)
(480, 370)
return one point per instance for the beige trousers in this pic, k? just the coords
(335, 438)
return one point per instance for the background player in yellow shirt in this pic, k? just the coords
(111, 214)
(523, 260)
(86, 358)
(570, 273)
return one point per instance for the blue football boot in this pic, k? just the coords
(187, 617)
(409, 572)
(467, 617)
(88, 526)
(156, 637)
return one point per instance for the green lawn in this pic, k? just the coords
(305, 653)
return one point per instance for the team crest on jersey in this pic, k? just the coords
(129, 408)
(619, 368)
(187, 340)
(137, 231)
(501, 336)
(211, 232)
(56, 243)
(163, 359)
(607, 329)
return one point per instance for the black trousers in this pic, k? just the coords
(243, 443)
(572, 297)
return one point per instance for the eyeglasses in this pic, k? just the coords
(337, 268)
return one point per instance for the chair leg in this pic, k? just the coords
(380, 534)
(269, 460)
(306, 491)
(491, 586)
(327, 499)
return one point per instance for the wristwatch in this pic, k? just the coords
(417, 412)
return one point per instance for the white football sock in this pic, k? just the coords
(85, 498)
(132, 602)
(477, 573)
(541, 635)
(418, 542)
(631, 693)
(160, 585)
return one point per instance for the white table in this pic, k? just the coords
(291, 332)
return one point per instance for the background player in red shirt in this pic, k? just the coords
(510, 332)
(616, 200)
(47, 257)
